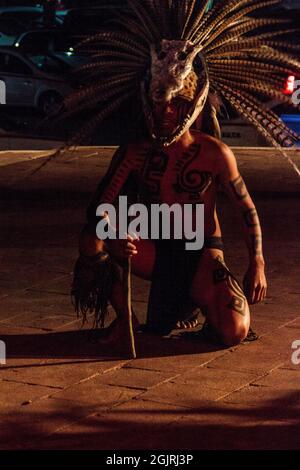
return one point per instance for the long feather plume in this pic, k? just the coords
(248, 59)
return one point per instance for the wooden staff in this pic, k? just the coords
(127, 301)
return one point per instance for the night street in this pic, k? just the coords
(202, 351)
(59, 389)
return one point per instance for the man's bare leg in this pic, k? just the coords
(142, 265)
(221, 298)
(142, 253)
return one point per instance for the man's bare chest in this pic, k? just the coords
(184, 178)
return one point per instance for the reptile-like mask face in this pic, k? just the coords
(178, 77)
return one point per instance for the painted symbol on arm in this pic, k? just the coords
(239, 188)
(251, 218)
(256, 244)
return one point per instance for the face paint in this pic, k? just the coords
(179, 79)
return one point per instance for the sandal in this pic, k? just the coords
(189, 323)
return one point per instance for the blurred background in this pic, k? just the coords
(38, 59)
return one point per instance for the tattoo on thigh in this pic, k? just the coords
(237, 304)
(251, 218)
(235, 287)
(221, 273)
(238, 301)
(239, 188)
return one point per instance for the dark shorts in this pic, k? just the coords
(173, 274)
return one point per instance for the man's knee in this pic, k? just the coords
(234, 333)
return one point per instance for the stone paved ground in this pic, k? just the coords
(59, 390)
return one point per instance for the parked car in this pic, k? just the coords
(55, 43)
(89, 20)
(29, 17)
(16, 20)
(9, 30)
(62, 6)
(35, 80)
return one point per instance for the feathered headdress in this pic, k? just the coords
(159, 50)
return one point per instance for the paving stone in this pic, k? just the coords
(26, 278)
(40, 320)
(61, 345)
(294, 324)
(179, 363)
(276, 435)
(188, 394)
(139, 411)
(188, 434)
(291, 366)
(56, 286)
(135, 378)
(37, 257)
(173, 354)
(221, 426)
(93, 393)
(53, 374)
(253, 358)
(7, 291)
(106, 431)
(261, 325)
(277, 309)
(15, 394)
(282, 400)
(205, 427)
(280, 340)
(219, 379)
(281, 379)
(36, 420)
(26, 302)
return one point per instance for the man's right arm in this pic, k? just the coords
(107, 192)
(112, 183)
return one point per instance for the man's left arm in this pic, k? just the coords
(255, 284)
